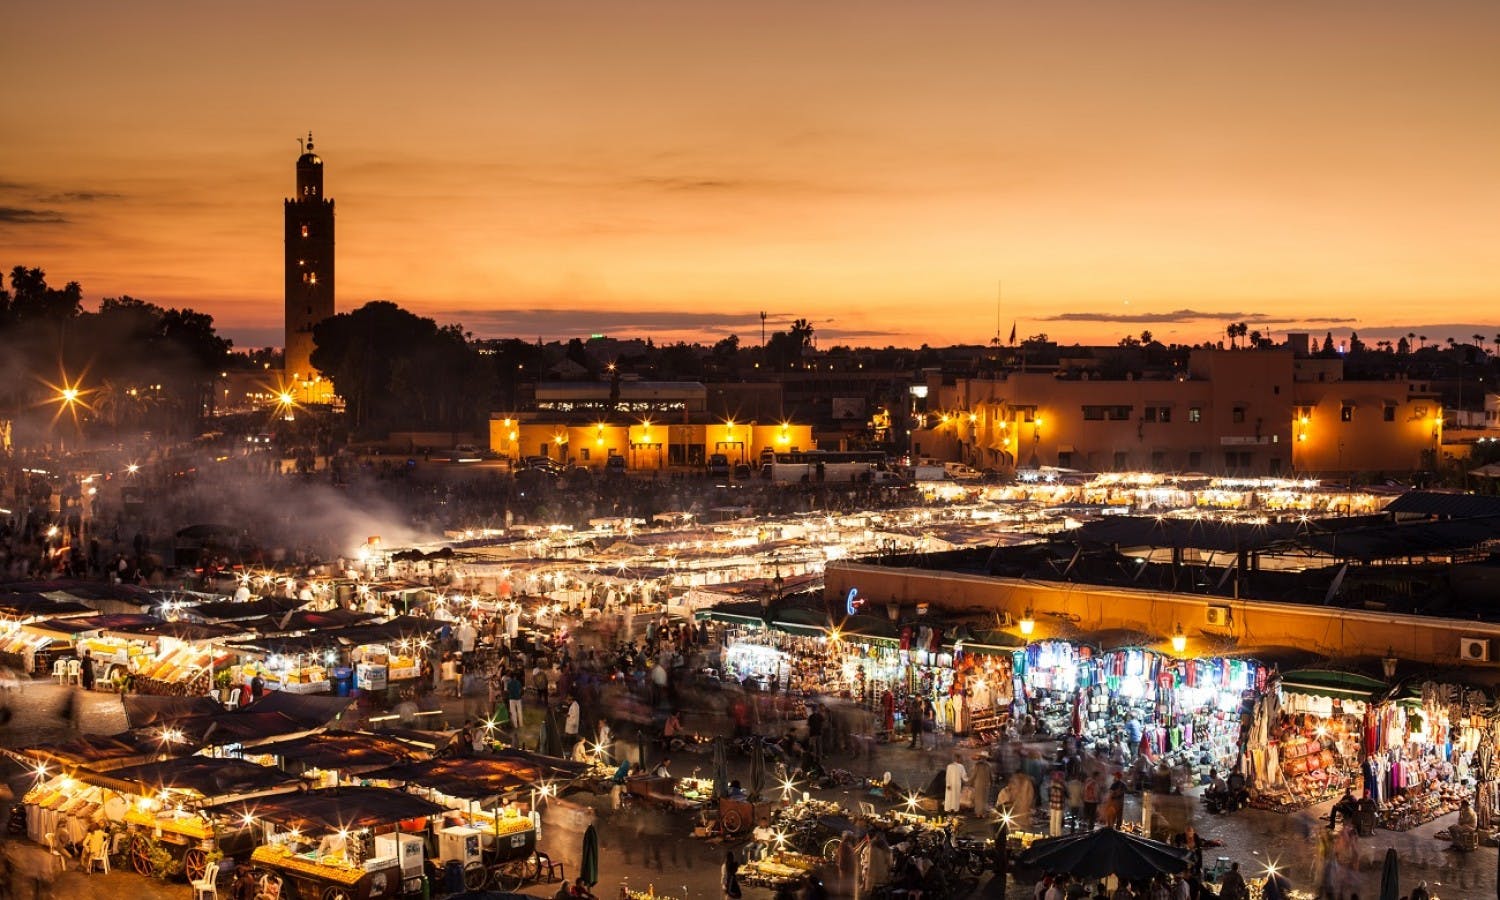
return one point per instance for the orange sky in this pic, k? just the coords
(562, 167)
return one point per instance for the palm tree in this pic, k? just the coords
(1479, 342)
(1423, 339)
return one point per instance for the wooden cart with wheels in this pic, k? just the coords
(190, 840)
(738, 817)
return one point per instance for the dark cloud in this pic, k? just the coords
(1179, 315)
(81, 197)
(16, 215)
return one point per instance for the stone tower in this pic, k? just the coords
(309, 276)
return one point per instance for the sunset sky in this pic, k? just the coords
(559, 168)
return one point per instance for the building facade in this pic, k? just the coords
(309, 289)
(1234, 412)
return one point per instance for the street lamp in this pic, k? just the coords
(1028, 623)
(1179, 640)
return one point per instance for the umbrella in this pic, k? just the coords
(542, 738)
(552, 735)
(1390, 876)
(1105, 852)
(757, 774)
(1274, 889)
(588, 868)
(721, 769)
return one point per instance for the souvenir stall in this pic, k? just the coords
(1049, 676)
(1306, 738)
(983, 687)
(1189, 710)
(1422, 752)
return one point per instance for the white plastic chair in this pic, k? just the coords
(55, 856)
(60, 670)
(209, 884)
(73, 669)
(234, 699)
(98, 844)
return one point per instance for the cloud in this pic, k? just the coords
(1181, 315)
(16, 215)
(81, 197)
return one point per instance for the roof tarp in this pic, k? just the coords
(1328, 683)
(150, 710)
(35, 606)
(336, 809)
(1199, 534)
(342, 750)
(1405, 540)
(229, 611)
(476, 777)
(98, 752)
(1450, 504)
(206, 776)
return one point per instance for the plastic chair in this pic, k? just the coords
(60, 670)
(55, 855)
(866, 808)
(548, 868)
(98, 852)
(74, 667)
(234, 699)
(208, 885)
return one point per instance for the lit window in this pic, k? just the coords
(304, 230)
(1346, 414)
(1195, 414)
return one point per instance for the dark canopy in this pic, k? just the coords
(335, 809)
(204, 775)
(98, 752)
(496, 775)
(1105, 852)
(1200, 534)
(343, 750)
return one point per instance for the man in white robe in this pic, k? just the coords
(953, 787)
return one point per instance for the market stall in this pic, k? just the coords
(1423, 752)
(351, 843)
(1306, 738)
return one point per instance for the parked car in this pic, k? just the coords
(615, 465)
(718, 465)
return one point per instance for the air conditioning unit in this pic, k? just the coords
(1474, 649)
(1217, 616)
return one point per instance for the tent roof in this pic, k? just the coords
(342, 750)
(476, 777)
(1330, 683)
(1450, 504)
(1199, 534)
(1394, 541)
(206, 776)
(335, 809)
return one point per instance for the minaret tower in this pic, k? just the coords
(309, 275)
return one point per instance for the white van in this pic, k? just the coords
(960, 472)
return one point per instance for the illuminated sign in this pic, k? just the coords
(853, 602)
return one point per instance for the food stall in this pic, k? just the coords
(350, 843)
(378, 667)
(24, 648)
(489, 820)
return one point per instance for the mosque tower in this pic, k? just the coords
(309, 276)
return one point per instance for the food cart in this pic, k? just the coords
(378, 667)
(489, 824)
(351, 843)
(681, 794)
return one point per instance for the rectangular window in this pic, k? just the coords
(1158, 459)
(304, 229)
(1093, 413)
(1120, 413)
(1065, 459)
(583, 453)
(1164, 414)
(1195, 414)
(1195, 460)
(1149, 414)
(1120, 459)
(1238, 416)
(1275, 465)
(1346, 414)
(1389, 413)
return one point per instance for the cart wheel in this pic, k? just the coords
(194, 864)
(475, 877)
(831, 848)
(732, 821)
(510, 876)
(336, 893)
(140, 855)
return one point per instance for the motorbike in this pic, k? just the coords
(1225, 801)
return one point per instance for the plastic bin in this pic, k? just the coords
(343, 681)
(453, 876)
